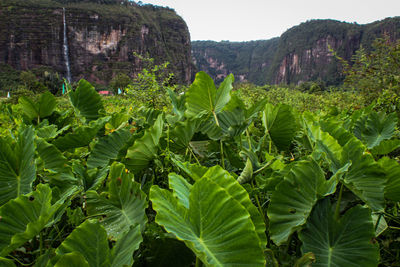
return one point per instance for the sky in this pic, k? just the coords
(246, 20)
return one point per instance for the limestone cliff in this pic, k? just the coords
(303, 53)
(101, 37)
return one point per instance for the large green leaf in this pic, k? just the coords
(90, 240)
(180, 187)
(216, 227)
(17, 165)
(365, 177)
(392, 170)
(81, 136)
(89, 179)
(121, 206)
(280, 123)
(43, 108)
(225, 180)
(178, 102)
(24, 217)
(4, 262)
(90, 244)
(375, 127)
(292, 201)
(57, 167)
(73, 259)
(121, 254)
(340, 242)
(182, 133)
(86, 101)
(195, 171)
(324, 143)
(386, 146)
(145, 148)
(203, 98)
(108, 148)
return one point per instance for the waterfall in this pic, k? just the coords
(65, 48)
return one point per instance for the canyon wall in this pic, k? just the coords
(303, 53)
(101, 37)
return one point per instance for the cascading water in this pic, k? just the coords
(65, 50)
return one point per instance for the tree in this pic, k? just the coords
(151, 83)
(120, 81)
(375, 72)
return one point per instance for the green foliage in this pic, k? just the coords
(145, 149)
(344, 241)
(151, 84)
(17, 166)
(376, 71)
(203, 225)
(122, 206)
(120, 81)
(230, 180)
(86, 101)
(44, 107)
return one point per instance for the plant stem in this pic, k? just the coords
(41, 242)
(270, 146)
(337, 211)
(248, 138)
(216, 118)
(222, 154)
(258, 204)
(198, 262)
(168, 152)
(192, 154)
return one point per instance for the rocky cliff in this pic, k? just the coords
(303, 53)
(101, 37)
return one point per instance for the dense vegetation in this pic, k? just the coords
(261, 184)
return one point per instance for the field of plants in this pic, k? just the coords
(215, 181)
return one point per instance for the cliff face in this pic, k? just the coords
(249, 61)
(101, 38)
(303, 53)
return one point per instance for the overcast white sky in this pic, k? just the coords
(245, 20)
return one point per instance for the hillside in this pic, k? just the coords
(300, 54)
(101, 37)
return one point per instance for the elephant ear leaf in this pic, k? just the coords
(392, 170)
(17, 165)
(205, 227)
(43, 108)
(90, 240)
(47, 103)
(121, 254)
(6, 262)
(108, 148)
(280, 124)
(121, 206)
(81, 136)
(86, 101)
(340, 242)
(145, 148)
(375, 127)
(73, 259)
(294, 198)
(29, 108)
(178, 102)
(204, 99)
(32, 212)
